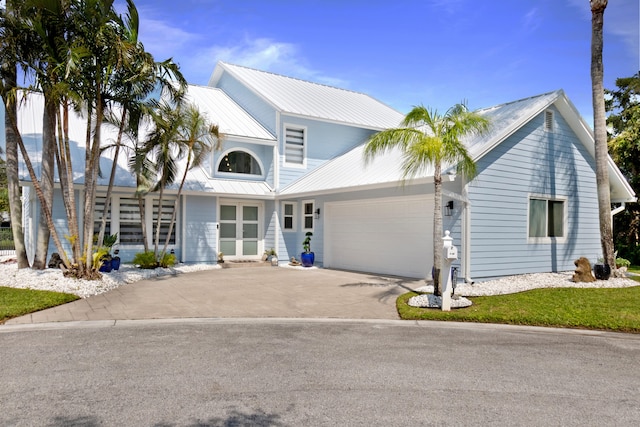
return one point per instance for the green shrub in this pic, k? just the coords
(168, 260)
(621, 262)
(145, 259)
(148, 260)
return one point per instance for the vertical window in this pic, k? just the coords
(546, 218)
(548, 121)
(308, 215)
(294, 145)
(97, 218)
(130, 224)
(288, 217)
(168, 205)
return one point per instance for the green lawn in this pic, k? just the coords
(615, 309)
(18, 302)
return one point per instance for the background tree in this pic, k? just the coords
(623, 104)
(600, 131)
(430, 139)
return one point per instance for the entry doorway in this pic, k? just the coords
(240, 230)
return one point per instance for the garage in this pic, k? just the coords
(386, 236)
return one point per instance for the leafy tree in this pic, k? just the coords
(600, 131)
(428, 138)
(624, 145)
(180, 132)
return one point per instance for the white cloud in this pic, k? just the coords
(162, 39)
(531, 20)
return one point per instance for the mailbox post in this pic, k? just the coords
(449, 254)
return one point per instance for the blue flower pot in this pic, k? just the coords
(106, 266)
(115, 263)
(307, 259)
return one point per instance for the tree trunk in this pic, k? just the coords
(46, 180)
(112, 176)
(600, 131)
(15, 201)
(156, 242)
(177, 204)
(437, 228)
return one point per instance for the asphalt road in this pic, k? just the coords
(272, 372)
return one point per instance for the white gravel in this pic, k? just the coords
(53, 280)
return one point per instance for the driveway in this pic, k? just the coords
(241, 293)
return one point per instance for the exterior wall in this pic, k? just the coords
(325, 141)
(532, 161)
(201, 232)
(254, 105)
(293, 240)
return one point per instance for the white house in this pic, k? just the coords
(292, 162)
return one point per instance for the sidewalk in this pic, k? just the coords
(240, 293)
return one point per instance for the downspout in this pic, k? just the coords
(466, 233)
(276, 185)
(183, 229)
(617, 210)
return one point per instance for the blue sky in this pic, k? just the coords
(402, 52)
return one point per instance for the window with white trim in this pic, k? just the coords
(546, 218)
(239, 161)
(288, 216)
(295, 141)
(307, 214)
(168, 205)
(130, 224)
(97, 217)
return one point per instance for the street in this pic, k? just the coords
(286, 372)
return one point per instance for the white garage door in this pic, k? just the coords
(387, 236)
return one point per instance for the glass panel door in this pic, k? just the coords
(239, 233)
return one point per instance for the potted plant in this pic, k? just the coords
(307, 257)
(601, 270)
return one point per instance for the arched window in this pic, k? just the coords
(239, 162)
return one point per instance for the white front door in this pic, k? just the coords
(240, 229)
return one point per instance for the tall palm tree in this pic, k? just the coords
(427, 138)
(600, 131)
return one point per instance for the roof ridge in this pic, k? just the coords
(299, 79)
(558, 91)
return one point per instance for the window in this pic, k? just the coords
(168, 205)
(239, 162)
(288, 216)
(294, 145)
(546, 218)
(308, 215)
(130, 224)
(97, 218)
(548, 121)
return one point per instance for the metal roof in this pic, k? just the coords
(223, 111)
(303, 98)
(349, 171)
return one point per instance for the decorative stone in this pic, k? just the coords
(583, 271)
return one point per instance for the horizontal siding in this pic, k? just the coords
(201, 232)
(264, 113)
(532, 161)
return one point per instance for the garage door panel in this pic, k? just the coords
(387, 236)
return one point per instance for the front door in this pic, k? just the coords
(240, 230)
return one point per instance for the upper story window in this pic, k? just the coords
(546, 218)
(295, 144)
(239, 162)
(307, 214)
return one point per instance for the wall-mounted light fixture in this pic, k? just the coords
(448, 208)
(317, 213)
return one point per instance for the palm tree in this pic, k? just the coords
(428, 138)
(600, 131)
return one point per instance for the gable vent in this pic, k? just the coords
(548, 121)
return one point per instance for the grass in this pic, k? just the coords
(18, 302)
(611, 309)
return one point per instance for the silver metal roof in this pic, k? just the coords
(303, 98)
(350, 171)
(222, 110)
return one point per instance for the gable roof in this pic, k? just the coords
(222, 110)
(349, 170)
(297, 97)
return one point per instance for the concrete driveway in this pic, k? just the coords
(241, 292)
